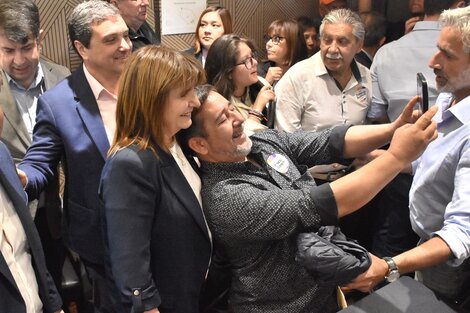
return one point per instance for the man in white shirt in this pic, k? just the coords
(330, 88)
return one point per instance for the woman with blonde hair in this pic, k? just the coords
(158, 243)
(213, 22)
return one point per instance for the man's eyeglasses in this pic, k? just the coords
(274, 39)
(248, 62)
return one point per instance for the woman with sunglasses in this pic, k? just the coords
(285, 46)
(213, 22)
(232, 68)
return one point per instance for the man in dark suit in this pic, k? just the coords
(134, 14)
(25, 284)
(25, 77)
(75, 124)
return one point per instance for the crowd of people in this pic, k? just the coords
(182, 181)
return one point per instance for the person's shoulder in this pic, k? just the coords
(190, 51)
(54, 67)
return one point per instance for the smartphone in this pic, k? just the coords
(422, 92)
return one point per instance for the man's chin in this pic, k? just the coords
(244, 148)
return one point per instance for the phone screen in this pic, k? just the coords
(422, 92)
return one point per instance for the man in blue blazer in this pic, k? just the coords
(75, 125)
(17, 224)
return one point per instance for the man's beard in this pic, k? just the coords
(462, 81)
(245, 148)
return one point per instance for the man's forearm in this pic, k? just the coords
(359, 187)
(360, 140)
(430, 253)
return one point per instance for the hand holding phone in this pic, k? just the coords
(422, 92)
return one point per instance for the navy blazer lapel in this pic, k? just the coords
(89, 112)
(178, 184)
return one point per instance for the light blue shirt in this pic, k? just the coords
(440, 193)
(394, 69)
(26, 99)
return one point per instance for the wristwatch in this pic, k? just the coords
(393, 273)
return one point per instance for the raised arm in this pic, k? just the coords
(409, 141)
(362, 139)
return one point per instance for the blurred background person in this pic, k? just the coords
(213, 22)
(376, 29)
(134, 13)
(326, 6)
(310, 28)
(417, 13)
(232, 68)
(159, 245)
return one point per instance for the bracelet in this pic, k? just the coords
(257, 114)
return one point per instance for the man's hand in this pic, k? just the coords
(409, 141)
(408, 115)
(369, 279)
(274, 73)
(22, 176)
(152, 311)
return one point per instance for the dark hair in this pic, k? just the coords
(433, 7)
(225, 17)
(84, 16)
(306, 22)
(296, 47)
(221, 60)
(19, 19)
(197, 128)
(376, 28)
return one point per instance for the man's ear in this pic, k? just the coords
(81, 49)
(41, 38)
(198, 145)
(360, 45)
(382, 41)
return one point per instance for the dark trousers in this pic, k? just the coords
(104, 294)
(54, 249)
(394, 234)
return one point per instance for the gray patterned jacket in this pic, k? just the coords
(257, 211)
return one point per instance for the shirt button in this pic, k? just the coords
(136, 292)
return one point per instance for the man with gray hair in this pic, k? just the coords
(76, 124)
(330, 88)
(440, 192)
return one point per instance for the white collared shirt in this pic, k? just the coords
(308, 97)
(14, 247)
